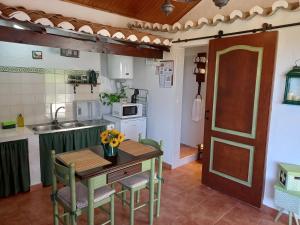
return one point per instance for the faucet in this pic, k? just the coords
(55, 121)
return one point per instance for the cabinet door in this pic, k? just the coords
(132, 129)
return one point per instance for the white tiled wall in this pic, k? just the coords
(31, 94)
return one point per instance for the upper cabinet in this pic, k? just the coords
(120, 67)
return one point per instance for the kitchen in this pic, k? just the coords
(72, 80)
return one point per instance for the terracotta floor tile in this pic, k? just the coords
(185, 201)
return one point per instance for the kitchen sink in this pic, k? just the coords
(71, 124)
(46, 127)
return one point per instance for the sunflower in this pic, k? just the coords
(104, 140)
(121, 137)
(114, 142)
(104, 134)
(114, 132)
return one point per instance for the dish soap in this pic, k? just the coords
(20, 120)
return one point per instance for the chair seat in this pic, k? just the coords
(146, 175)
(82, 195)
(137, 180)
(134, 181)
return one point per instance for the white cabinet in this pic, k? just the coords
(130, 127)
(120, 67)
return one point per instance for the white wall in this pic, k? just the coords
(191, 131)
(72, 10)
(283, 141)
(163, 102)
(32, 93)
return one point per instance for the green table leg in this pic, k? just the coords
(151, 192)
(90, 202)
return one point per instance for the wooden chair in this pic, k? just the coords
(138, 182)
(73, 196)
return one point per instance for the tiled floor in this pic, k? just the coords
(184, 202)
(187, 151)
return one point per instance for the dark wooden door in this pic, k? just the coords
(239, 88)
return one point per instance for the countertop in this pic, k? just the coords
(25, 132)
(15, 134)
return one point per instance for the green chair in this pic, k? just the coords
(136, 183)
(73, 196)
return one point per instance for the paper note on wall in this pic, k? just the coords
(166, 72)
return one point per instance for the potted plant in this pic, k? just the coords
(110, 140)
(110, 98)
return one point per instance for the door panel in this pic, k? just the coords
(239, 87)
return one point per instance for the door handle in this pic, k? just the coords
(207, 114)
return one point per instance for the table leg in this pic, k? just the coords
(90, 202)
(151, 192)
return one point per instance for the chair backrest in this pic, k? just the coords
(158, 146)
(66, 176)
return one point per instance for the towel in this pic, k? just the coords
(196, 111)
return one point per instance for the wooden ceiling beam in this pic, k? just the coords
(9, 34)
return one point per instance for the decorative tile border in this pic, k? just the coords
(14, 69)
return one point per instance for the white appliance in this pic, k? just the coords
(127, 110)
(120, 67)
(131, 127)
(86, 110)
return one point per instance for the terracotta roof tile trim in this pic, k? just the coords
(68, 23)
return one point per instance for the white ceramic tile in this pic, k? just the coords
(28, 99)
(4, 77)
(59, 78)
(50, 98)
(15, 99)
(49, 88)
(49, 78)
(5, 114)
(28, 88)
(60, 98)
(69, 89)
(16, 88)
(70, 97)
(40, 99)
(15, 78)
(4, 88)
(4, 100)
(16, 109)
(60, 89)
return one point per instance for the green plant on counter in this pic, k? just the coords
(110, 98)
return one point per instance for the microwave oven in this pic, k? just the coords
(127, 110)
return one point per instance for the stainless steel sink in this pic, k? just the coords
(71, 124)
(46, 127)
(65, 126)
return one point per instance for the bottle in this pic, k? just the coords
(20, 120)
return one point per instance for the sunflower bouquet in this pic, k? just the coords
(111, 139)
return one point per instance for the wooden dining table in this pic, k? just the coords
(121, 166)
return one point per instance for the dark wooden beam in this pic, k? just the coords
(9, 34)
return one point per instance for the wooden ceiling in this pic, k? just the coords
(146, 10)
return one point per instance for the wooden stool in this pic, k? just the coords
(287, 201)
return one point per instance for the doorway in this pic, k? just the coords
(192, 129)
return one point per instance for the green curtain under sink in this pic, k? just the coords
(64, 142)
(14, 167)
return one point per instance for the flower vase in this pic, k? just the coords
(110, 151)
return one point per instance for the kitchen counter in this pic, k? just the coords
(85, 125)
(15, 134)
